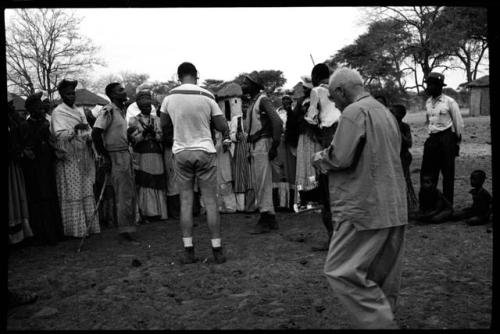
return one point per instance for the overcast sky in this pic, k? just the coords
(222, 42)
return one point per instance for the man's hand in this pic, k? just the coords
(273, 153)
(225, 145)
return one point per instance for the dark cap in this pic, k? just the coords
(255, 80)
(32, 100)
(67, 83)
(436, 78)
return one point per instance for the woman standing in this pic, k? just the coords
(75, 168)
(146, 136)
(19, 227)
(38, 169)
(306, 180)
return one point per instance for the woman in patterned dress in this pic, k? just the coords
(146, 136)
(75, 168)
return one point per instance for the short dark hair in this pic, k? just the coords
(399, 109)
(110, 87)
(320, 72)
(479, 173)
(186, 69)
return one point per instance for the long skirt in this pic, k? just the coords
(19, 227)
(242, 176)
(75, 182)
(306, 178)
(150, 180)
(168, 158)
(284, 169)
(226, 199)
(45, 216)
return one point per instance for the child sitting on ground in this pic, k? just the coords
(479, 212)
(434, 207)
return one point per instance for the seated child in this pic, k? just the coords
(479, 212)
(434, 207)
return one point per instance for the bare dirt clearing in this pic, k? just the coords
(271, 281)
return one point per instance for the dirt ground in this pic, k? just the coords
(271, 281)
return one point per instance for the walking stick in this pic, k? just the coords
(95, 212)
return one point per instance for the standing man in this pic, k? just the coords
(264, 127)
(111, 142)
(190, 110)
(368, 202)
(445, 126)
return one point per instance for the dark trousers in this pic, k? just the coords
(326, 213)
(439, 156)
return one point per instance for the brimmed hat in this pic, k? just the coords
(67, 83)
(255, 80)
(436, 78)
(306, 81)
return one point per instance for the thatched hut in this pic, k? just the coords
(479, 96)
(229, 100)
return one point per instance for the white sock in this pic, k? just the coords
(188, 242)
(215, 242)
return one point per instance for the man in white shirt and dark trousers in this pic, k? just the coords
(190, 110)
(445, 126)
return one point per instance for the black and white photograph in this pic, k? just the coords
(249, 168)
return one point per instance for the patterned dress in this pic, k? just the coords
(75, 172)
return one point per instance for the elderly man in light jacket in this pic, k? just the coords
(368, 202)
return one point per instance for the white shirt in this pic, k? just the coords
(440, 111)
(191, 112)
(321, 110)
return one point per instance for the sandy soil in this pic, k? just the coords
(271, 281)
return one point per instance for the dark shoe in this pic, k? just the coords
(188, 257)
(21, 298)
(126, 236)
(321, 247)
(218, 255)
(260, 228)
(262, 225)
(271, 221)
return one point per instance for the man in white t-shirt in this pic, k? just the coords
(191, 110)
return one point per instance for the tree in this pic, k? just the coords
(378, 55)
(469, 28)
(430, 46)
(43, 46)
(272, 79)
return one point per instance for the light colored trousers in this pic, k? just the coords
(262, 174)
(364, 270)
(122, 179)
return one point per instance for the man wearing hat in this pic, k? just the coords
(445, 125)
(264, 128)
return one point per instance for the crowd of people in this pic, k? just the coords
(335, 149)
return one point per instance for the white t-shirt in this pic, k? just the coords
(191, 108)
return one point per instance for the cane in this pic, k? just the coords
(95, 212)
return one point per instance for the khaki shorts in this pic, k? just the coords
(202, 165)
